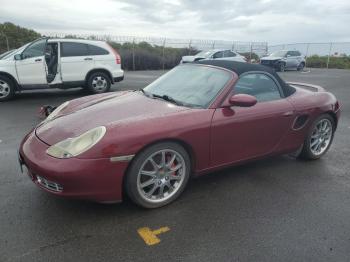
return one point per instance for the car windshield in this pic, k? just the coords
(278, 54)
(206, 54)
(190, 85)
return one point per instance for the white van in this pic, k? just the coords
(60, 63)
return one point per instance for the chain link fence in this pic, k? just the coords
(322, 55)
(260, 48)
(140, 53)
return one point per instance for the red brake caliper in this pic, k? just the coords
(173, 165)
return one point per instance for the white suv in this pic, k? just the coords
(60, 63)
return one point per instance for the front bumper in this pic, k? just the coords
(270, 63)
(92, 179)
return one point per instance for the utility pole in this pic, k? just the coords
(307, 53)
(250, 53)
(163, 56)
(133, 55)
(329, 54)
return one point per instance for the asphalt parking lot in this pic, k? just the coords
(278, 209)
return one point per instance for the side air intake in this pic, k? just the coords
(300, 122)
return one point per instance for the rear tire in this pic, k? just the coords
(7, 88)
(319, 138)
(158, 175)
(98, 83)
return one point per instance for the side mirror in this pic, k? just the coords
(242, 100)
(288, 55)
(18, 57)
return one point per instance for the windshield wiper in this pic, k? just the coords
(169, 99)
(145, 92)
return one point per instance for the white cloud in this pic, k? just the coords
(274, 21)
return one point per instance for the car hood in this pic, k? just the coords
(191, 58)
(271, 58)
(5, 62)
(109, 111)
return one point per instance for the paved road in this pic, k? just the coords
(278, 209)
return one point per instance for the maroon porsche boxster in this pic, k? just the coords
(196, 118)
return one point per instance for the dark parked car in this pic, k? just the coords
(284, 59)
(195, 119)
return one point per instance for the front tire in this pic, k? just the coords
(301, 67)
(99, 83)
(7, 88)
(319, 138)
(281, 67)
(158, 175)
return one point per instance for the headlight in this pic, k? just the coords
(56, 111)
(75, 146)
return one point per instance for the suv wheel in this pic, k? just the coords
(282, 67)
(99, 83)
(301, 67)
(7, 88)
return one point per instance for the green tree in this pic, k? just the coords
(16, 36)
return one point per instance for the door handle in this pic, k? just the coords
(88, 59)
(38, 60)
(289, 113)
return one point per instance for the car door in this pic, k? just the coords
(75, 61)
(298, 58)
(240, 133)
(218, 55)
(31, 68)
(102, 58)
(229, 55)
(289, 60)
(292, 61)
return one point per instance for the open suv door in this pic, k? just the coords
(31, 65)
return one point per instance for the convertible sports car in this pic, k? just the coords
(196, 118)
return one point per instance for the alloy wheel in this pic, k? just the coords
(161, 176)
(282, 67)
(321, 137)
(4, 89)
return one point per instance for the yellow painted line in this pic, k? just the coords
(149, 236)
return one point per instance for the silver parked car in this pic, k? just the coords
(217, 54)
(284, 59)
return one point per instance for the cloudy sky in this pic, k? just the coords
(274, 21)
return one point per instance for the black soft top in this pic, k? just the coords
(241, 68)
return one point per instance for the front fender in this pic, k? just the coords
(125, 138)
